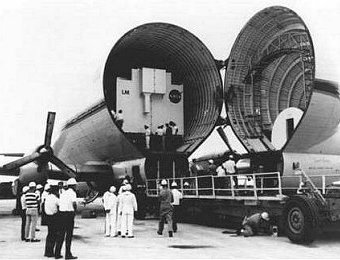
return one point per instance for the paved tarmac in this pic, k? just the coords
(191, 242)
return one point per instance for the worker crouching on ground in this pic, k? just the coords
(110, 202)
(256, 224)
(166, 209)
(127, 206)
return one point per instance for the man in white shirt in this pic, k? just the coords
(67, 207)
(147, 136)
(110, 202)
(127, 207)
(51, 206)
(230, 168)
(176, 204)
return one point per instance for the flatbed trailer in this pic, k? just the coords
(300, 211)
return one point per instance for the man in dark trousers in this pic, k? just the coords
(166, 209)
(51, 207)
(67, 208)
(256, 223)
(23, 212)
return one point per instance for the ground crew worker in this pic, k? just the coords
(119, 119)
(32, 204)
(43, 198)
(256, 223)
(51, 207)
(147, 136)
(119, 217)
(23, 212)
(212, 167)
(176, 204)
(127, 207)
(166, 209)
(67, 208)
(230, 168)
(110, 202)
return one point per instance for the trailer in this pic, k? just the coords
(300, 211)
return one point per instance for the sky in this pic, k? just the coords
(52, 52)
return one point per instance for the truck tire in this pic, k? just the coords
(300, 219)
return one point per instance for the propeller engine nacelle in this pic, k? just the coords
(32, 172)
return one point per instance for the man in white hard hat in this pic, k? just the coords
(176, 204)
(32, 204)
(125, 181)
(110, 202)
(67, 208)
(51, 208)
(23, 212)
(166, 209)
(230, 168)
(42, 208)
(256, 223)
(127, 207)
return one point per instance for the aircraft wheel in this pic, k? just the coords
(300, 215)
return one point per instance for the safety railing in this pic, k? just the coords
(256, 186)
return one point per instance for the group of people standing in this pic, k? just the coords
(119, 211)
(58, 205)
(163, 135)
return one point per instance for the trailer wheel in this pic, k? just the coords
(300, 215)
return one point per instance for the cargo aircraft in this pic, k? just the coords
(277, 111)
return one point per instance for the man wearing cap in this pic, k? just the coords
(127, 207)
(230, 168)
(51, 206)
(212, 167)
(23, 212)
(43, 198)
(67, 208)
(110, 202)
(176, 204)
(256, 223)
(120, 192)
(166, 209)
(32, 204)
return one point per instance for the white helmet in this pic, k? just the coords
(39, 186)
(47, 186)
(265, 216)
(71, 181)
(112, 189)
(186, 184)
(231, 156)
(32, 184)
(164, 182)
(128, 187)
(211, 161)
(173, 184)
(25, 189)
(125, 181)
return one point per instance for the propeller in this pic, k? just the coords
(43, 153)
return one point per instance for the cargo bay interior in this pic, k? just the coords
(156, 52)
(269, 82)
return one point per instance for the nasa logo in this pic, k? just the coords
(175, 96)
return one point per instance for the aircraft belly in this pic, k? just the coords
(95, 138)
